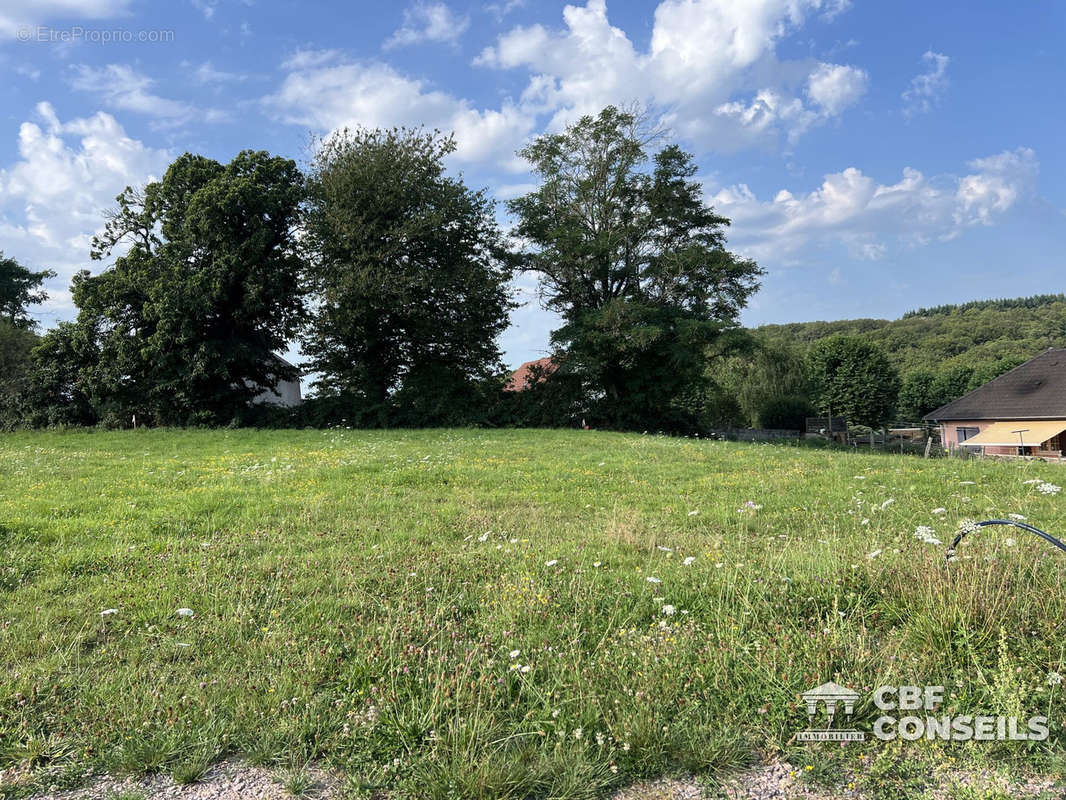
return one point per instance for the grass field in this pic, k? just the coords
(504, 614)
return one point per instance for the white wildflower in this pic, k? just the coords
(1048, 488)
(664, 549)
(887, 503)
(874, 554)
(652, 580)
(515, 653)
(185, 612)
(693, 513)
(551, 563)
(1009, 542)
(688, 560)
(940, 510)
(597, 564)
(107, 612)
(865, 521)
(669, 610)
(1053, 678)
(525, 668)
(1017, 516)
(578, 733)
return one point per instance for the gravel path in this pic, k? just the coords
(229, 780)
(234, 780)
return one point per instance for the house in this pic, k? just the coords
(1022, 412)
(286, 393)
(530, 373)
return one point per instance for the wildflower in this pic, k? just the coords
(650, 579)
(1054, 679)
(865, 521)
(874, 554)
(887, 503)
(1032, 480)
(526, 668)
(515, 653)
(664, 549)
(1009, 542)
(599, 739)
(555, 714)
(578, 733)
(1048, 488)
(1017, 516)
(484, 537)
(669, 610)
(107, 612)
(688, 560)
(940, 510)
(925, 534)
(551, 563)
(597, 564)
(185, 612)
(693, 513)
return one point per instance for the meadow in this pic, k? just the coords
(506, 614)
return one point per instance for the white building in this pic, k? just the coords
(286, 393)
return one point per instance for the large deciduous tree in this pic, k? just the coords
(634, 261)
(410, 273)
(20, 288)
(853, 378)
(186, 322)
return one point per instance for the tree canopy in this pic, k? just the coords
(19, 289)
(634, 261)
(186, 323)
(853, 378)
(409, 270)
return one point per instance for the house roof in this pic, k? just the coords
(523, 377)
(1034, 390)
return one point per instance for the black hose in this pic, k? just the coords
(1047, 537)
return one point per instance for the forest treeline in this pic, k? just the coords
(395, 279)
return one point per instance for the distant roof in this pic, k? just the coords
(522, 378)
(1033, 390)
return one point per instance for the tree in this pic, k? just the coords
(853, 378)
(57, 388)
(19, 288)
(186, 322)
(634, 262)
(918, 394)
(410, 273)
(768, 378)
(16, 345)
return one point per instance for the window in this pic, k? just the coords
(962, 434)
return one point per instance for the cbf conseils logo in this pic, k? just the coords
(835, 698)
(910, 713)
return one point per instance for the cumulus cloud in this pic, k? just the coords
(711, 66)
(428, 22)
(122, 87)
(868, 217)
(16, 14)
(927, 87)
(330, 93)
(53, 197)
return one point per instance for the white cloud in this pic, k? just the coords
(53, 198)
(207, 74)
(834, 87)
(122, 87)
(16, 14)
(928, 87)
(853, 209)
(428, 22)
(711, 66)
(334, 94)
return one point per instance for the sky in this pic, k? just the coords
(873, 157)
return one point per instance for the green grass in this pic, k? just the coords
(358, 595)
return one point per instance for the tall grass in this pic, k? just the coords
(500, 614)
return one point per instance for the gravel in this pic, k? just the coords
(235, 780)
(229, 780)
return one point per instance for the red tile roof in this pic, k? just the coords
(523, 377)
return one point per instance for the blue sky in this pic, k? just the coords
(874, 157)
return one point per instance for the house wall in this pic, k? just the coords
(286, 394)
(950, 438)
